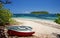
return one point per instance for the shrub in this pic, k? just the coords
(58, 15)
(5, 15)
(57, 20)
(14, 22)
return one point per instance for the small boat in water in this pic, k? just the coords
(20, 30)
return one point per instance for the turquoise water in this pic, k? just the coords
(32, 16)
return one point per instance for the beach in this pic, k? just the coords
(40, 26)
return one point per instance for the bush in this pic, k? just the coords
(5, 15)
(58, 20)
(58, 15)
(14, 22)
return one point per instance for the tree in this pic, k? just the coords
(5, 2)
(39, 12)
(5, 16)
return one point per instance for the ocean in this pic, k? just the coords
(33, 16)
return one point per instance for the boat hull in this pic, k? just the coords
(12, 32)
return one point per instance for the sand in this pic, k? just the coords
(42, 28)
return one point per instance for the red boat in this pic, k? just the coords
(20, 30)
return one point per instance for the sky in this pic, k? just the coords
(27, 6)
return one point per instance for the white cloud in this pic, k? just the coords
(26, 12)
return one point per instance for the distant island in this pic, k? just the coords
(39, 12)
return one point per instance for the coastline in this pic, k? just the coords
(40, 26)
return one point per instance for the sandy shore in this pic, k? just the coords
(40, 26)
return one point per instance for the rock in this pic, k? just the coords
(58, 35)
(2, 33)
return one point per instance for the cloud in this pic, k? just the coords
(26, 12)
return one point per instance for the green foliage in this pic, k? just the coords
(58, 15)
(39, 12)
(1, 5)
(14, 22)
(57, 20)
(5, 16)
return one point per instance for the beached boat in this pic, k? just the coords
(20, 30)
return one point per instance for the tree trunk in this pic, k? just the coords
(2, 32)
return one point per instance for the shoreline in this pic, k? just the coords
(31, 18)
(39, 20)
(39, 26)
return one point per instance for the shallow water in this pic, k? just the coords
(32, 16)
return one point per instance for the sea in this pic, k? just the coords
(34, 16)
